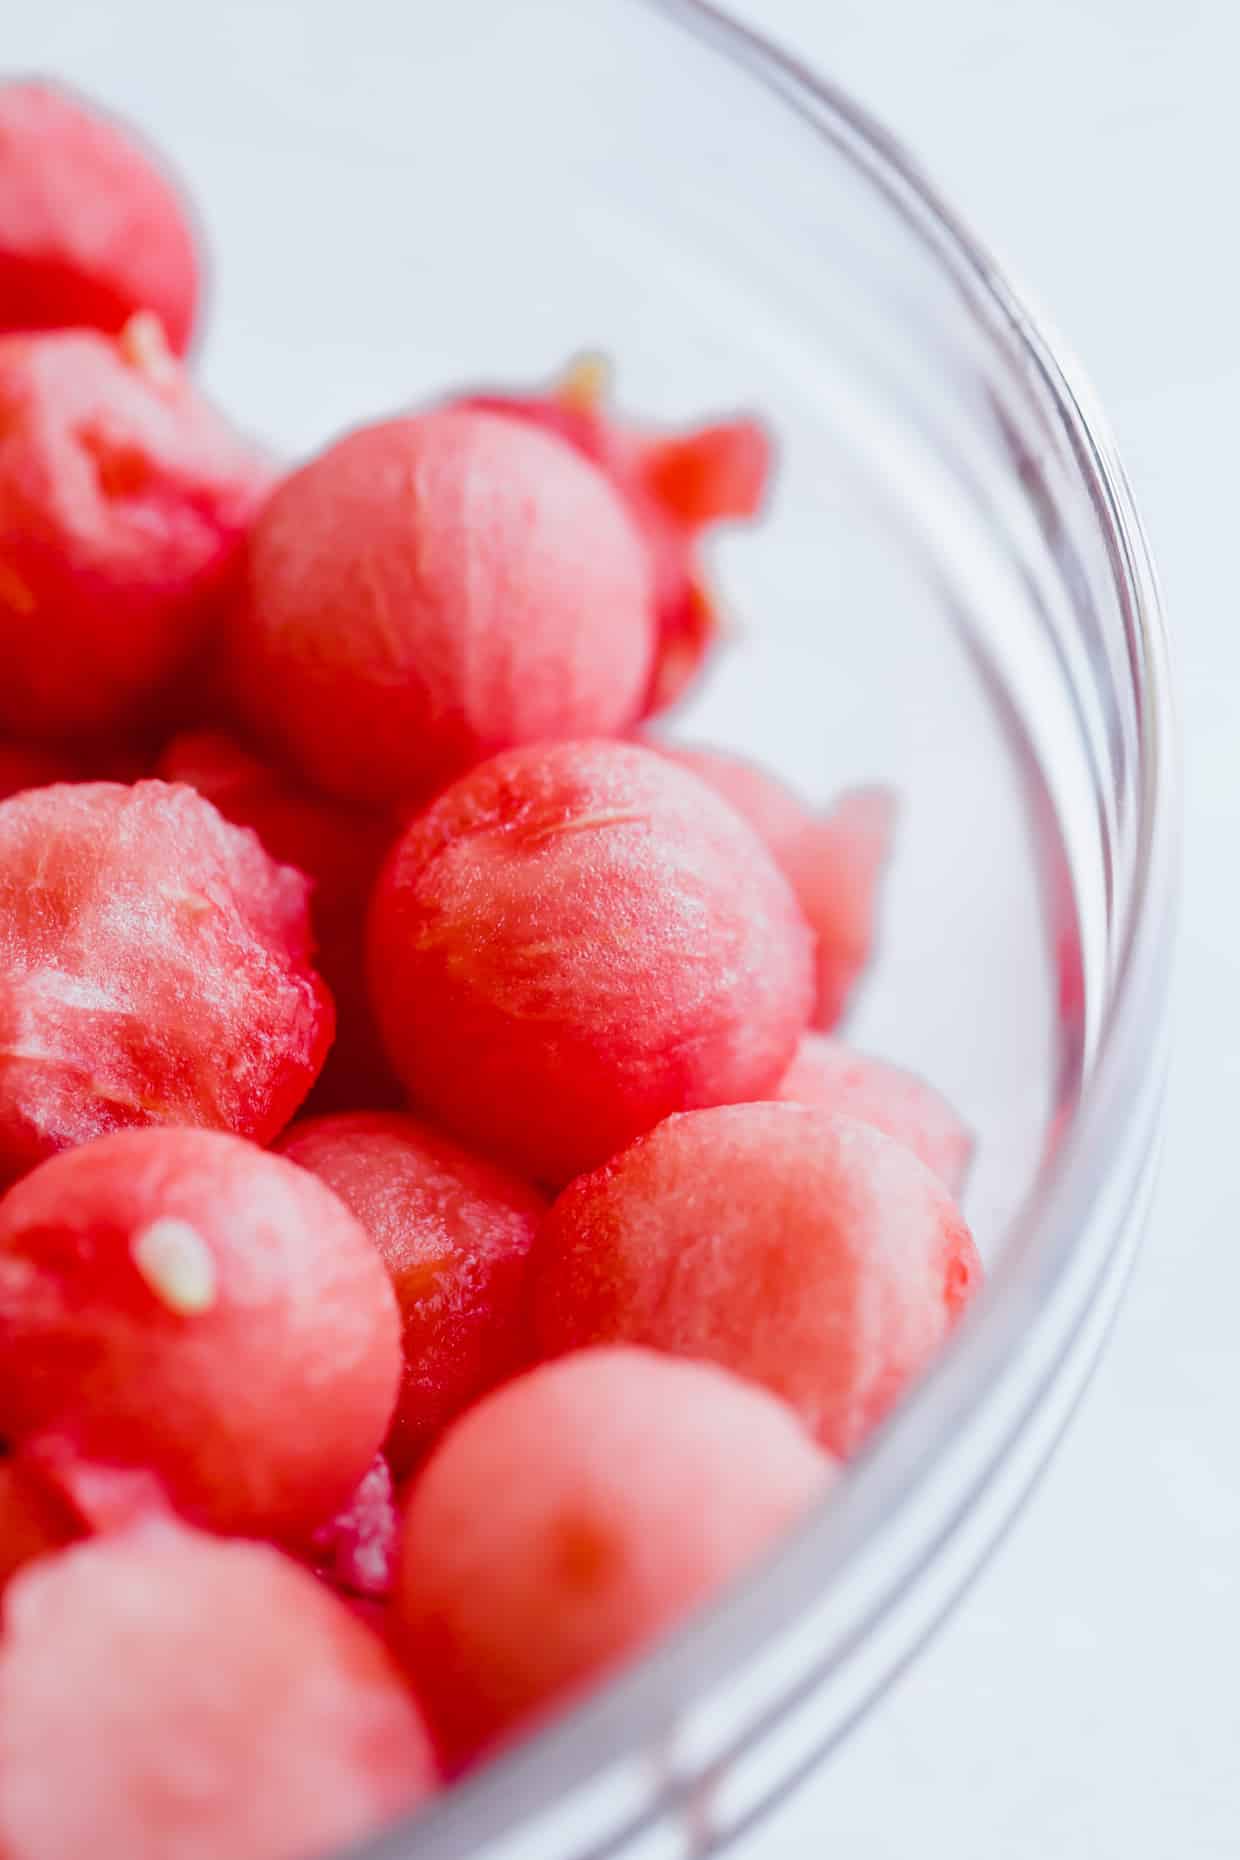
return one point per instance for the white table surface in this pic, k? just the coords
(1084, 1702)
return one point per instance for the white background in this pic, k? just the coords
(1084, 1703)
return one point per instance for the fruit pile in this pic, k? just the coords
(441, 1238)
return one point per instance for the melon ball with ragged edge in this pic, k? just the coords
(154, 969)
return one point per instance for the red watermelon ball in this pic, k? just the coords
(154, 969)
(123, 501)
(575, 940)
(805, 1251)
(90, 229)
(166, 1694)
(455, 1233)
(183, 1301)
(434, 589)
(830, 1075)
(575, 1515)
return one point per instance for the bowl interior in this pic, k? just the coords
(402, 199)
(398, 201)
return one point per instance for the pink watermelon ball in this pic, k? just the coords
(154, 969)
(184, 1302)
(455, 1233)
(575, 940)
(167, 1696)
(834, 861)
(805, 1251)
(650, 1485)
(831, 1076)
(432, 590)
(123, 501)
(90, 229)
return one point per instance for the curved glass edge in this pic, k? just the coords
(933, 1480)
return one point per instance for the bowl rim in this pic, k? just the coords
(1055, 1265)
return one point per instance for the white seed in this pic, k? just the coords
(177, 1264)
(144, 346)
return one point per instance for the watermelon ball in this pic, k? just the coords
(184, 1302)
(833, 1077)
(675, 485)
(90, 229)
(834, 861)
(154, 969)
(34, 1520)
(434, 589)
(123, 500)
(805, 1251)
(575, 940)
(455, 1233)
(340, 849)
(641, 1486)
(166, 1694)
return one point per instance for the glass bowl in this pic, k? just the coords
(951, 594)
